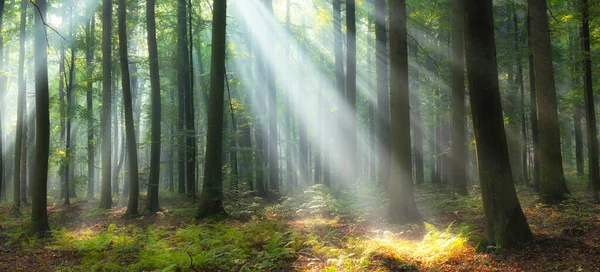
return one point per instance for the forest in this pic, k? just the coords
(299, 135)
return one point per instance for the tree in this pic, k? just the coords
(132, 204)
(39, 214)
(273, 137)
(383, 104)
(211, 199)
(402, 202)
(458, 148)
(2, 93)
(594, 171)
(533, 113)
(339, 78)
(19, 143)
(351, 89)
(552, 180)
(105, 121)
(506, 225)
(184, 79)
(90, 39)
(152, 204)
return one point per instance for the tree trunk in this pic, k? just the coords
(152, 204)
(521, 84)
(340, 87)
(211, 199)
(383, 104)
(19, 143)
(273, 137)
(132, 204)
(533, 114)
(506, 225)
(106, 194)
(39, 213)
(2, 94)
(90, 106)
(552, 180)
(351, 140)
(402, 202)
(594, 171)
(458, 147)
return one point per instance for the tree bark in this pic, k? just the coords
(458, 147)
(351, 137)
(90, 106)
(552, 181)
(594, 171)
(533, 113)
(39, 213)
(132, 204)
(105, 122)
(402, 202)
(152, 204)
(211, 199)
(506, 225)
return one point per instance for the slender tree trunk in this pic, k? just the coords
(351, 91)
(577, 116)
(371, 174)
(132, 204)
(273, 137)
(152, 204)
(211, 199)
(552, 181)
(458, 148)
(402, 202)
(533, 114)
(2, 94)
(90, 106)
(106, 196)
(19, 143)
(383, 104)
(520, 81)
(506, 225)
(39, 213)
(340, 89)
(417, 123)
(594, 171)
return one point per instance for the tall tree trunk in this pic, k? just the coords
(19, 143)
(184, 78)
(371, 175)
(90, 105)
(273, 137)
(594, 171)
(417, 124)
(2, 94)
(132, 204)
(339, 86)
(183, 85)
(152, 204)
(62, 121)
(105, 122)
(351, 92)
(383, 104)
(459, 150)
(506, 225)
(552, 180)
(211, 199)
(520, 82)
(39, 213)
(577, 116)
(402, 202)
(534, 113)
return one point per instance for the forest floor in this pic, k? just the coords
(318, 230)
